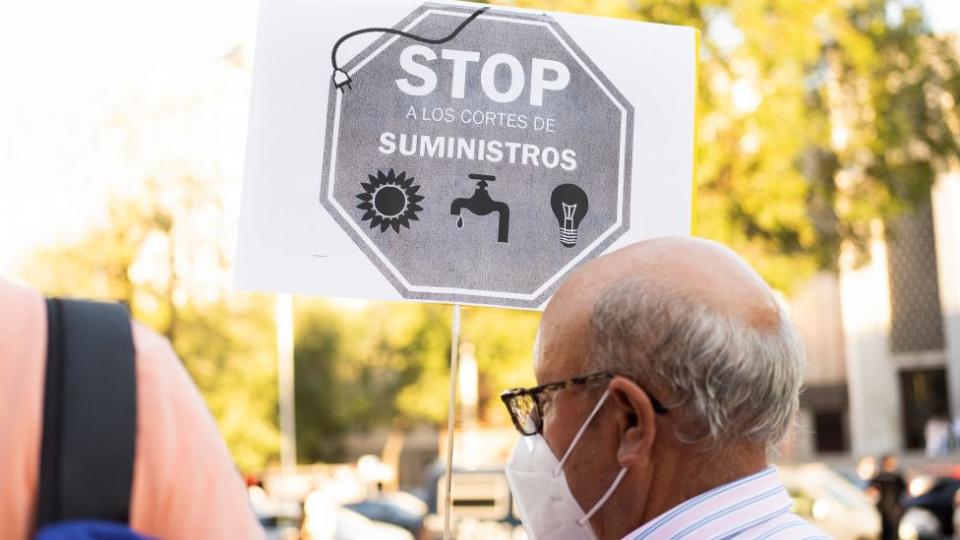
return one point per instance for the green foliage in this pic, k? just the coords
(387, 364)
(503, 340)
(227, 346)
(98, 264)
(899, 84)
(225, 341)
(356, 368)
(318, 389)
(793, 93)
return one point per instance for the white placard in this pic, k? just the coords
(470, 154)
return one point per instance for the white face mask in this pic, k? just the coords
(547, 507)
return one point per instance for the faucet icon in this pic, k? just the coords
(481, 204)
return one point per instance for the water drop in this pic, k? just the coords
(459, 222)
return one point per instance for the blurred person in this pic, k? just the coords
(668, 373)
(955, 434)
(866, 470)
(887, 489)
(956, 515)
(936, 435)
(184, 484)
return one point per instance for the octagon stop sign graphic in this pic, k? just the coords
(476, 155)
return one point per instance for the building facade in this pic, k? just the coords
(883, 335)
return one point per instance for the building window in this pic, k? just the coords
(830, 432)
(923, 393)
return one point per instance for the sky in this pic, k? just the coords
(944, 15)
(93, 95)
(98, 94)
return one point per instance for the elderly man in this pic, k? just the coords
(668, 373)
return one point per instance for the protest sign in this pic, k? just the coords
(457, 152)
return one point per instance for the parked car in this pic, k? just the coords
(353, 526)
(324, 520)
(279, 519)
(930, 508)
(831, 502)
(398, 508)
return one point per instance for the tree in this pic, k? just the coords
(895, 86)
(504, 350)
(360, 369)
(148, 255)
(816, 118)
(228, 347)
(389, 361)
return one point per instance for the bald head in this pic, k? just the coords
(661, 296)
(687, 267)
(692, 267)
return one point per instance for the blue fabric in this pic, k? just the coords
(88, 530)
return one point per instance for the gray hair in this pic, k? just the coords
(726, 380)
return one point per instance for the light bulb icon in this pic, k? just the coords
(569, 204)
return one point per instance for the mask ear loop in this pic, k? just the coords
(576, 438)
(613, 487)
(583, 428)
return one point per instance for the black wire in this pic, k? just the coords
(333, 54)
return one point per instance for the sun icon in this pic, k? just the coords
(390, 200)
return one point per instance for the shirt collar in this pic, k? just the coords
(723, 511)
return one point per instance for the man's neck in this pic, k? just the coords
(672, 482)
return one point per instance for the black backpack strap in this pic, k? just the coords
(89, 413)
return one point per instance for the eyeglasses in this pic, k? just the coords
(526, 404)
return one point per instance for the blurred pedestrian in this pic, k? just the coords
(887, 488)
(936, 434)
(184, 484)
(866, 470)
(955, 434)
(669, 373)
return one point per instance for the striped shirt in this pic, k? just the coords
(756, 507)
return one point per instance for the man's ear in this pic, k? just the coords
(638, 427)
